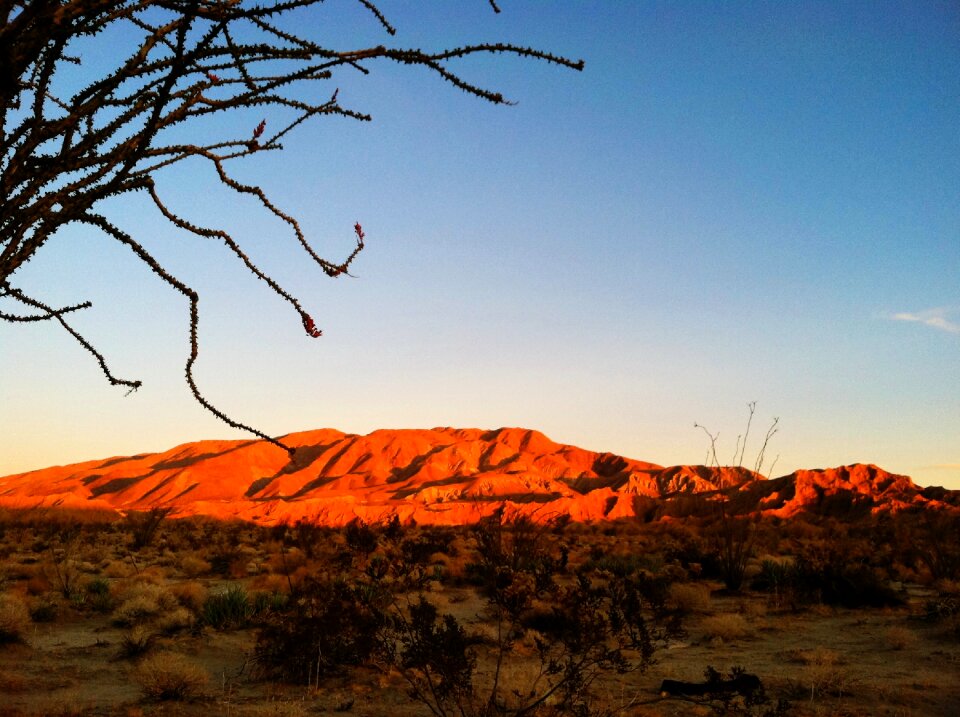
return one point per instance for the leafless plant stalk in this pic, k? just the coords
(66, 146)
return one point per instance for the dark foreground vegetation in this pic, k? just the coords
(506, 617)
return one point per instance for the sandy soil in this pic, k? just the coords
(825, 661)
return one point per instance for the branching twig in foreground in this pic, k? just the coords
(63, 153)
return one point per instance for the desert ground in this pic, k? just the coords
(152, 615)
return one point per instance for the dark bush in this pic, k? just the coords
(831, 581)
(361, 538)
(325, 625)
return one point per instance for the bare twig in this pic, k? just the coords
(62, 155)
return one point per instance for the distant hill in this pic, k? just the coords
(445, 476)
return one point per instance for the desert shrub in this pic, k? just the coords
(733, 541)
(191, 595)
(837, 582)
(596, 625)
(119, 569)
(98, 595)
(620, 564)
(267, 602)
(434, 652)
(775, 576)
(194, 566)
(573, 629)
(305, 536)
(135, 609)
(287, 561)
(38, 585)
(421, 549)
(514, 547)
(325, 625)
(142, 601)
(168, 676)
(944, 611)
(14, 619)
(824, 674)
(934, 540)
(175, 621)
(689, 597)
(270, 583)
(942, 607)
(136, 642)
(829, 579)
(601, 622)
(899, 638)
(45, 609)
(63, 570)
(231, 608)
(361, 538)
(725, 627)
(143, 525)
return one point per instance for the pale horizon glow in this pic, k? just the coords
(733, 202)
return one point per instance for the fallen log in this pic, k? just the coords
(744, 684)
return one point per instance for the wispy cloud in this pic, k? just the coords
(935, 318)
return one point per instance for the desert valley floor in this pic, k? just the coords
(462, 572)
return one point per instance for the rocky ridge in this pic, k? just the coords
(445, 476)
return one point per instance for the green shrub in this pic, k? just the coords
(98, 595)
(229, 609)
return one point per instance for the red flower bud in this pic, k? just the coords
(259, 130)
(310, 327)
(213, 78)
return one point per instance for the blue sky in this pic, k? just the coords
(732, 202)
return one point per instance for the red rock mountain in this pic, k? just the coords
(439, 476)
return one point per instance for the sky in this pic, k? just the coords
(733, 202)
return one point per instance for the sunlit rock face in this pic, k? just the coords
(443, 476)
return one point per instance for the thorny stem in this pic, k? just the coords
(62, 155)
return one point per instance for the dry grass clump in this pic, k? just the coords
(690, 597)
(269, 583)
(168, 676)
(44, 609)
(823, 673)
(143, 601)
(134, 610)
(12, 682)
(191, 595)
(725, 627)
(193, 566)
(900, 638)
(753, 610)
(14, 619)
(118, 569)
(137, 641)
(176, 620)
(286, 561)
(39, 584)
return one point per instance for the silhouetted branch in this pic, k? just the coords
(51, 313)
(62, 154)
